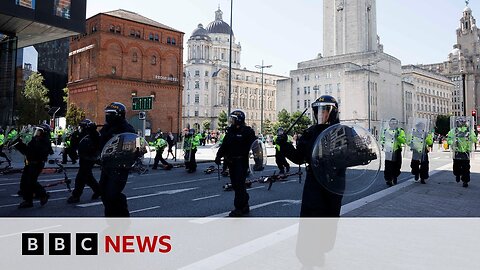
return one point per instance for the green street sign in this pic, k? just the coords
(142, 103)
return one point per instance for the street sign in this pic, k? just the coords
(142, 103)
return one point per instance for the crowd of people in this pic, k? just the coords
(85, 143)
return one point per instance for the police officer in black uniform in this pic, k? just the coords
(317, 201)
(113, 182)
(36, 154)
(88, 151)
(235, 149)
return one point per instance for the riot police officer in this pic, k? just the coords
(113, 182)
(235, 149)
(36, 154)
(394, 164)
(190, 144)
(280, 159)
(317, 201)
(88, 151)
(460, 138)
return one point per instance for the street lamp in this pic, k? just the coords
(464, 94)
(230, 61)
(261, 102)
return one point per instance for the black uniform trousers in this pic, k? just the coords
(461, 167)
(281, 161)
(190, 161)
(317, 201)
(392, 167)
(238, 174)
(112, 183)
(159, 158)
(71, 153)
(85, 177)
(420, 167)
(29, 181)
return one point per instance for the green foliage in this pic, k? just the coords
(268, 127)
(302, 124)
(442, 124)
(34, 101)
(65, 95)
(222, 120)
(284, 119)
(206, 125)
(74, 115)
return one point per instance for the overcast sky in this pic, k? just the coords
(283, 33)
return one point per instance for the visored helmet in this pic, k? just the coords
(115, 113)
(325, 110)
(237, 117)
(461, 121)
(393, 123)
(87, 125)
(42, 129)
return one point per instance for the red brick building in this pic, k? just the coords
(124, 55)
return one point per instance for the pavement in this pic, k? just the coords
(440, 197)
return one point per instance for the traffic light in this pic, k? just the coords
(474, 114)
(141, 115)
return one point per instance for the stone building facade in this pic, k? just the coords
(207, 83)
(124, 55)
(354, 69)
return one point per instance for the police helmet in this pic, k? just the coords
(393, 123)
(280, 131)
(115, 113)
(325, 103)
(461, 121)
(237, 117)
(87, 125)
(42, 129)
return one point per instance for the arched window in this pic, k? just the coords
(134, 57)
(173, 41)
(154, 60)
(112, 28)
(118, 30)
(168, 40)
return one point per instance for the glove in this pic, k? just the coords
(218, 160)
(282, 139)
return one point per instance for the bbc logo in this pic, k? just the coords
(59, 244)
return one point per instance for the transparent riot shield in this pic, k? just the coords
(388, 137)
(346, 159)
(257, 158)
(461, 137)
(126, 151)
(416, 134)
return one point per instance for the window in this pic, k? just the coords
(298, 104)
(206, 73)
(94, 28)
(132, 33)
(137, 34)
(156, 37)
(112, 28)
(134, 57)
(118, 30)
(197, 84)
(298, 91)
(150, 36)
(173, 41)
(197, 72)
(168, 40)
(197, 98)
(154, 60)
(196, 113)
(206, 85)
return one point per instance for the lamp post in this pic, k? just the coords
(230, 61)
(261, 67)
(368, 93)
(464, 94)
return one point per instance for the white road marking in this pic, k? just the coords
(373, 197)
(33, 230)
(16, 204)
(18, 182)
(204, 198)
(222, 259)
(224, 214)
(248, 189)
(168, 192)
(176, 183)
(144, 209)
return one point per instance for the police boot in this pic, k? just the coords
(417, 176)
(465, 184)
(44, 199)
(457, 178)
(25, 204)
(395, 180)
(422, 181)
(389, 183)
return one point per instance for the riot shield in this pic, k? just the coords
(346, 159)
(257, 158)
(125, 151)
(461, 137)
(388, 137)
(417, 132)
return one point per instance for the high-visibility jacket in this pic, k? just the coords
(159, 144)
(464, 138)
(399, 136)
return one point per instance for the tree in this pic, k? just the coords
(283, 119)
(302, 124)
(442, 124)
(34, 101)
(65, 95)
(268, 127)
(206, 125)
(74, 115)
(222, 120)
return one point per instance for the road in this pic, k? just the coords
(177, 193)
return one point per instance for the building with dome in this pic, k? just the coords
(463, 66)
(205, 93)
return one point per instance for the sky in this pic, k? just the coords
(285, 32)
